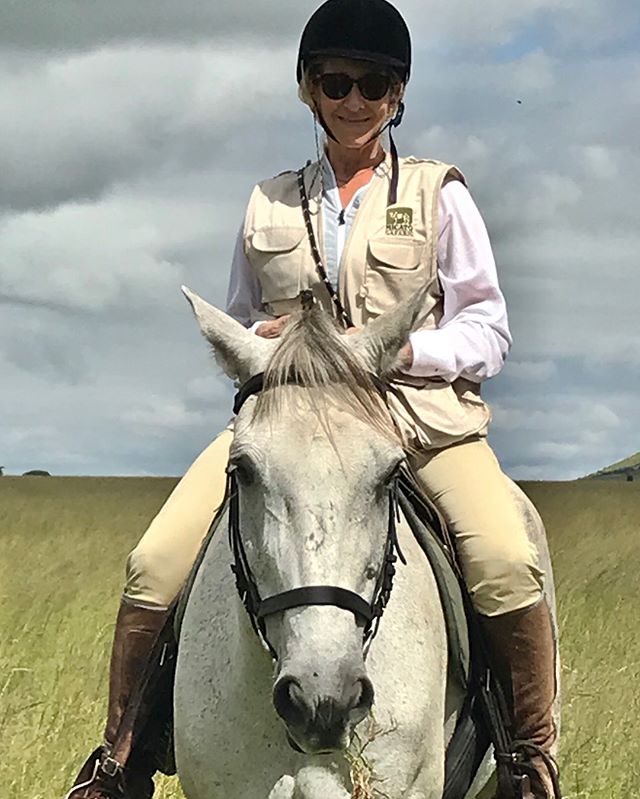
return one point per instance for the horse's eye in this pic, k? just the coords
(243, 469)
(370, 572)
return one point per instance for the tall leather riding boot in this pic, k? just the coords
(137, 628)
(522, 653)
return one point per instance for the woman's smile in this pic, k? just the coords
(349, 121)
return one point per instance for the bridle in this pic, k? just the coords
(258, 609)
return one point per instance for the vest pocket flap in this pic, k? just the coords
(398, 254)
(278, 239)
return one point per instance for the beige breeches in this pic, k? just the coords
(468, 487)
(159, 565)
(464, 481)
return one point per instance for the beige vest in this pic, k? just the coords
(390, 253)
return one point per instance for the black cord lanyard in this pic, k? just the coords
(304, 201)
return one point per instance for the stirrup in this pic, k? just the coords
(524, 748)
(105, 770)
(86, 784)
(511, 783)
(515, 770)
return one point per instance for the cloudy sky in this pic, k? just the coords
(132, 132)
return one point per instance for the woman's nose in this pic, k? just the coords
(354, 99)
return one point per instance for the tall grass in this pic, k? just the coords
(63, 543)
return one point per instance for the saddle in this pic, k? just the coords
(482, 720)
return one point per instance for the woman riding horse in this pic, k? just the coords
(362, 230)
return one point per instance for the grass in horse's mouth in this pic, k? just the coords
(360, 770)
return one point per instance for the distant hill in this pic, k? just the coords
(627, 469)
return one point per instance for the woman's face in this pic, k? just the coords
(353, 120)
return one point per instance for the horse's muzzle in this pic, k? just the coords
(322, 723)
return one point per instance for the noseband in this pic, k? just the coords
(258, 609)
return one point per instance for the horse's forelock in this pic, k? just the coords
(315, 355)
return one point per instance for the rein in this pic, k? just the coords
(258, 609)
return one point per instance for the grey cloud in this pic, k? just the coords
(570, 25)
(125, 412)
(62, 259)
(123, 256)
(70, 25)
(530, 371)
(50, 355)
(43, 305)
(75, 127)
(588, 23)
(583, 376)
(126, 170)
(568, 425)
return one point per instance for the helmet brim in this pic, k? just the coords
(357, 55)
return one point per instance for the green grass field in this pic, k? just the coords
(64, 542)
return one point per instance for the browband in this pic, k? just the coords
(255, 384)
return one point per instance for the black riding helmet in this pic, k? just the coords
(372, 30)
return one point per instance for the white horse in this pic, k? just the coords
(313, 462)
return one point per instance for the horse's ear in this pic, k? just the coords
(379, 343)
(240, 353)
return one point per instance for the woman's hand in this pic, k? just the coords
(273, 329)
(405, 355)
(405, 358)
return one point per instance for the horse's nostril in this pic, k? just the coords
(366, 694)
(288, 699)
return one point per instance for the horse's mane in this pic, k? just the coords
(313, 354)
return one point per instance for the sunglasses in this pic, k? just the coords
(372, 86)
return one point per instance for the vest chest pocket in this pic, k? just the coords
(277, 254)
(395, 270)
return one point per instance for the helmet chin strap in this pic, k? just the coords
(394, 122)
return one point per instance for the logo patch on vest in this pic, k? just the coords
(399, 222)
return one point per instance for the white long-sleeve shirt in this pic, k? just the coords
(472, 339)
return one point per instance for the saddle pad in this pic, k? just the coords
(221, 519)
(448, 584)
